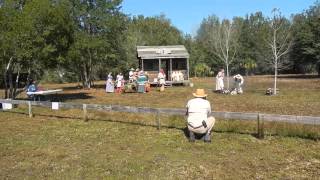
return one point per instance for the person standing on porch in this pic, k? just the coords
(161, 79)
(219, 81)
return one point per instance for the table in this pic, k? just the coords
(43, 93)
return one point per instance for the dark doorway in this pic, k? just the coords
(165, 65)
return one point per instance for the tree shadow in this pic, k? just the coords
(66, 88)
(79, 87)
(299, 76)
(184, 130)
(60, 97)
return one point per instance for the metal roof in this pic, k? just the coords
(160, 52)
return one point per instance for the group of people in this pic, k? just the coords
(116, 86)
(199, 120)
(238, 82)
(110, 84)
(138, 82)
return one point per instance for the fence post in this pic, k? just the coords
(158, 120)
(85, 115)
(260, 127)
(30, 109)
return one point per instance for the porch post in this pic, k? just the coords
(142, 67)
(170, 69)
(187, 68)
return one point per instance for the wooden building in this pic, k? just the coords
(174, 60)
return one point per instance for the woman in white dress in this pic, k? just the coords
(219, 80)
(119, 83)
(162, 79)
(109, 84)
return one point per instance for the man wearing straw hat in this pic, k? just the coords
(199, 119)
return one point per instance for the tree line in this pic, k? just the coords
(80, 41)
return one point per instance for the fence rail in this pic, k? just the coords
(174, 111)
(259, 117)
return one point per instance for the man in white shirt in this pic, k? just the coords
(199, 119)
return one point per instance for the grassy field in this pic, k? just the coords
(59, 145)
(298, 96)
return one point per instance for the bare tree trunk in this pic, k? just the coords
(86, 85)
(10, 83)
(90, 68)
(17, 84)
(6, 93)
(5, 84)
(228, 83)
(275, 79)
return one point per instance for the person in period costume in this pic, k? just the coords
(147, 86)
(109, 84)
(199, 119)
(119, 83)
(136, 74)
(142, 80)
(219, 81)
(238, 82)
(131, 73)
(161, 79)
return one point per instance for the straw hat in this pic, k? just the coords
(131, 69)
(199, 93)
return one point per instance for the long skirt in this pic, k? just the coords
(109, 87)
(219, 84)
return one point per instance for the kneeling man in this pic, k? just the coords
(199, 119)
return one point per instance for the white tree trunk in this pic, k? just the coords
(275, 79)
(227, 76)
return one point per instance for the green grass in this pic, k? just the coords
(60, 145)
(67, 148)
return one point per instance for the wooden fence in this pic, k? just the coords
(259, 117)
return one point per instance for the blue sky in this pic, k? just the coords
(187, 15)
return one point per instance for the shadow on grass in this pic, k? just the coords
(61, 97)
(300, 76)
(183, 129)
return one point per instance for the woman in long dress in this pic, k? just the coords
(109, 84)
(162, 79)
(119, 83)
(219, 80)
